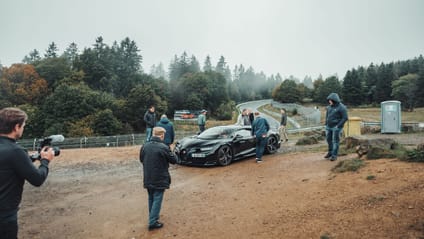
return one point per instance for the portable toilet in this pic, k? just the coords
(390, 116)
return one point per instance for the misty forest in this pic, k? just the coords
(103, 90)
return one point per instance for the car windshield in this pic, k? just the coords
(217, 133)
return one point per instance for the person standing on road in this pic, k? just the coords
(155, 157)
(16, 167)
(150, 119)
(260, 128)
(283, 123)
(335, 118)
(201, 120)
(169, 128)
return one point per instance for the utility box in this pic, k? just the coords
(352, 126)
(390, 117)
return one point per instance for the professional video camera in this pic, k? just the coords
(47, 142)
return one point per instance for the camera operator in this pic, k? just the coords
(16, 167)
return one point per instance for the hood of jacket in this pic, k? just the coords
(334, 97)
(164, 120)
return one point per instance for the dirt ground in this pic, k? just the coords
(98, 193)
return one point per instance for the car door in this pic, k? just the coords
(243, 143)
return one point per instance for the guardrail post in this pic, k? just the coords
(33, 144)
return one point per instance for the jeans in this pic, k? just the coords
(201, 128)
(9, 227)
(155, 203)
(260, 147)
(333, 140)
(148, 134)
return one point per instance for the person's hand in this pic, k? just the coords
(172, 147)
(47, 153)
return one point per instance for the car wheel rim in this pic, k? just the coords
(224, 155)
(272, 145)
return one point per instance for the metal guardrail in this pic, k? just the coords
(307, 129)
(99, 141)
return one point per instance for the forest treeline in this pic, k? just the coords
(103, 90)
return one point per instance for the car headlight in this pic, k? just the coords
(206, 149)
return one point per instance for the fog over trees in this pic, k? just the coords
(103, 90)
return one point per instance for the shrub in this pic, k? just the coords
(414, 156)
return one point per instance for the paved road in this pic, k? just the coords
(254, 105)
(274, 123)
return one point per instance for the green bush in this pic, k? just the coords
(414, 156)
(225, 111)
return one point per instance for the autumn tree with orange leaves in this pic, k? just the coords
(21, 84)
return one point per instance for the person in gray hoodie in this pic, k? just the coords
(335, 118)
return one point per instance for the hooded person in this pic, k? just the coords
(169, 127)
(335, 118)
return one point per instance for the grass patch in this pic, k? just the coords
(191, 125)
(375, 199)
(325, 236)
(397, 151)
(348, 165)
(374, 114)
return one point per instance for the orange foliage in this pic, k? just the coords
(22, 84)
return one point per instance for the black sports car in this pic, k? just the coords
(221, 145)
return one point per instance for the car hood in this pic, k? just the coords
(194, 141)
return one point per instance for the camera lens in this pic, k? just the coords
(56, 151)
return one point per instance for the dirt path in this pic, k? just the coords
(97, 193)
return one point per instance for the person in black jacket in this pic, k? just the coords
(150, 120)
(155, 157)
(16, 167)
(335, 118)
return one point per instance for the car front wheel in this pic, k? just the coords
(225, 156)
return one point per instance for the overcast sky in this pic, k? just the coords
(290, 37)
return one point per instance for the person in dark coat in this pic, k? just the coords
(169, 127)
(150, 120)
(251, 116)
(155, 157)
(335, 118)
(260, 128)
(16, 167)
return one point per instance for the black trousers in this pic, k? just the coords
(9, 225)
(9, 230)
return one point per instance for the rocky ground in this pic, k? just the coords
(98, 193)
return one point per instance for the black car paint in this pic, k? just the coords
(239, 139)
